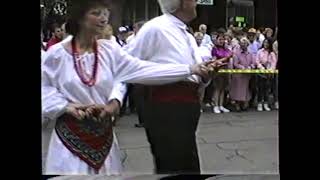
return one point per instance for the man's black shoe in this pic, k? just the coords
(139, 125)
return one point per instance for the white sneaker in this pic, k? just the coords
(259, 107)
(276, 105)
(216, 109)
(266, 107)
(201, 110)
(208, 105)
(223, 109)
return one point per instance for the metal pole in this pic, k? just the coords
(134, 12)
(276, 20)
(254, 15)
(227, 14)
(146, 17)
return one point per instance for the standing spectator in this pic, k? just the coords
(220, 81)
(63, 29)
(275, 34)
(228, 37)
(275, 48)
(107, 33)
(204, 52)
(231, 45)
(239, 85)
(214, 34)
(136, 27)
(206, 38)
(208, 98)
(190, 29)
(269, 33)
(237, 35)
(128, 99)
(43, 52)
(57, 35)
(253, 48)
(136, 91)
(254, 44)
(122, 35)
(235, 39)
(275, 77)
(260, 35)
(266, 59)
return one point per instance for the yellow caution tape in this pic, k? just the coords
(249, 71)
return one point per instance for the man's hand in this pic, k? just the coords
(110, 109)
(214, 65)
(201, 69)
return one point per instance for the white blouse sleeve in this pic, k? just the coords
(118, 92)
(133, 70)
(53, 102)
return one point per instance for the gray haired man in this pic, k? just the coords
(172, 111)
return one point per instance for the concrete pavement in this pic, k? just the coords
(232, 143)
(157, 177)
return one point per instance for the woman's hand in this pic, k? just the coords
(77, 110)
(200, 69)
(104, 111)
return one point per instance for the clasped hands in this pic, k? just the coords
(96, 112)
(204, 69)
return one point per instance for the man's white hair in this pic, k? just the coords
(202, 26)
(198, 34)
(169, 6)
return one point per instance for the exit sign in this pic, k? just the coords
(205, 2)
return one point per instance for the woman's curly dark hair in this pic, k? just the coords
(76, 11)
(270, 42)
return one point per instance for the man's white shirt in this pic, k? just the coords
(165, 39)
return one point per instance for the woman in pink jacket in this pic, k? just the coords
(266, 59)
(239, 84)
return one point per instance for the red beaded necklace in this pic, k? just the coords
(78, 66)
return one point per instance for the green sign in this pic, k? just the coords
(239, 19)
(205, 2)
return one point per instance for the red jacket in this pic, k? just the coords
(52, 41)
